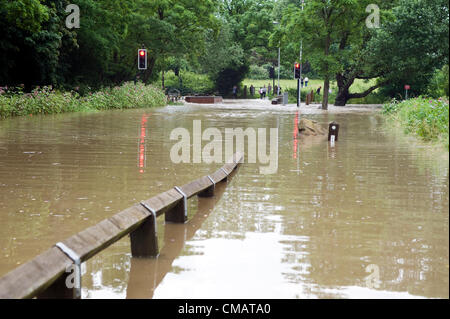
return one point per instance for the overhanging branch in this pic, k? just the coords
(366, 92)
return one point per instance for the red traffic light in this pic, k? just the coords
(297, 70)
(142, 59)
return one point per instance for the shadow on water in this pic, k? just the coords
(146, 274)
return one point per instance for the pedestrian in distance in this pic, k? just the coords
(318, 90)
(306, 81)
(252, 90)
(235, 91)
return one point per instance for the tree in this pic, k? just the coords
(411, 46)
(28, 42)
(252, 25)
(411, 43)
(224, 59)
(172, 28)
(334, 35)
(37, 48)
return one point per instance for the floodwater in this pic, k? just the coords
(365, 218)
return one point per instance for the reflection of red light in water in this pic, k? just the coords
(295, 134)
(142, 143)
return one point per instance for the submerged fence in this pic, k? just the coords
(46, 275)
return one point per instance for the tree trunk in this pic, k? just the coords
(326, 83)
(148, 72)
(342, 97)
(326, 89)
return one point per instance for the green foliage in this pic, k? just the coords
(191, 83)
(224, 60)
(48, 101)
(221, 52)
(30, 41)
(262, 72)
(224, 40)
(439, 83)
(26, 15)
(292, 95)
(258, 72)
(374, 98)
(252, 24)
(333, 35)
(427, 118)
(36, 48)
(411, 45)
(229, 77)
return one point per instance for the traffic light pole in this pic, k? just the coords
(299, 90)
(273, 81)
(278, 87)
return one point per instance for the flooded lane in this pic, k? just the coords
(309, 231)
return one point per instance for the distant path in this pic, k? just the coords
(265, 104)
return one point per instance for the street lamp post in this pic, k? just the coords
(278, 86)
(279, 50)
(301, 67)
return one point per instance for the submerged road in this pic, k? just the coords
(365, 218)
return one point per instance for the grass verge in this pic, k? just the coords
(423, 117)
(47, 101)
(291, 87)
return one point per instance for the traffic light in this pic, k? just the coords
(296, 70)
(142, 59)
(271, 73)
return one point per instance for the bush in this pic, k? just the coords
(292, 95)
(286, 73)
(427, 118)
(229, 77)
(48, 101)
(372, 98)
(439, 85)
(258, 72)
(191, 83)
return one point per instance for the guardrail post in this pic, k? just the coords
(144, 240)
(178, 214)
(225, 172)
(333, 132)
(58, 290)
(209, 192)
(68, 285)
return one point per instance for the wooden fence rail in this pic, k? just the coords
(46, 275)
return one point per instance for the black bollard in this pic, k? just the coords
(333, 130)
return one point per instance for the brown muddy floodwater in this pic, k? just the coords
(376, 204)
